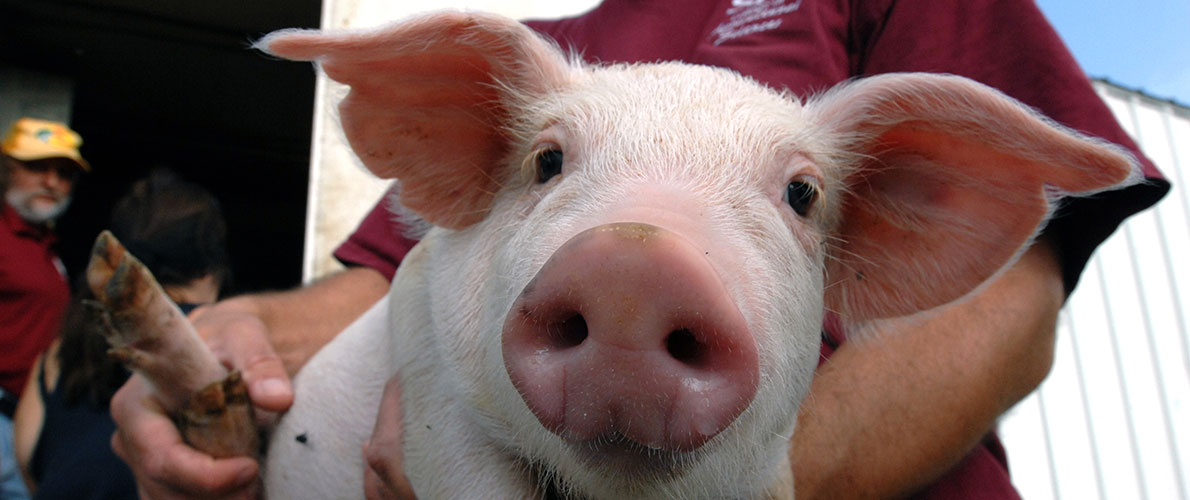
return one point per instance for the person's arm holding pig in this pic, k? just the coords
(892, 413)
(904, 411)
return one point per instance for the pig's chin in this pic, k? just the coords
(614, 466)
(616, 454)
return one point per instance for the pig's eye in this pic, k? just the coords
(801, 196)
(549, 164)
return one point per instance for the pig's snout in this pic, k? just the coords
(628, 332)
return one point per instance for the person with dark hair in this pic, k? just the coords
(177, 230)
(62, 426)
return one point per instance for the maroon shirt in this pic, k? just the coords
(810, 45)
(33, 296)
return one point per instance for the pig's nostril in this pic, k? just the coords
(568, 333)
(684, 347)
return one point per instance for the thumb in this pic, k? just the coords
(242, 341)
(269, 385)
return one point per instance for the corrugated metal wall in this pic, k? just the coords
(1112, 421)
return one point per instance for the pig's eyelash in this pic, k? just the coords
(528, 169)
(529, 165)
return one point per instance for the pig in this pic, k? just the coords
(627, 268)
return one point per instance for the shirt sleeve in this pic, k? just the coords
(1009, 45)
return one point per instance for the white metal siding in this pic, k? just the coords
(1112, 421)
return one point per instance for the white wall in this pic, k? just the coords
(341, 191)
(1112, 421)
(33, 94)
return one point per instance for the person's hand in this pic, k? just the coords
(384, 476)
(147, 439)
(166, 467)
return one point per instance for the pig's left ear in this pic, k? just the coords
(426, 101)
(949, 183)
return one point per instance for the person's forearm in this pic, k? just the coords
(302, 320)
(893, 411)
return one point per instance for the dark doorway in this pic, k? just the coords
(174, 83)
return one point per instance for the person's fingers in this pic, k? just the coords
(178, 471)
(165, 467)
(269, 386)
(384, 476)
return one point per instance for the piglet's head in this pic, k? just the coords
(897, 193)
(940, 181)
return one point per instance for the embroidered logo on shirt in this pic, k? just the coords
(746, 17)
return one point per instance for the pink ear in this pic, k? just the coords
(426, 101)
(952, 181)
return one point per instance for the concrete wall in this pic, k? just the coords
(30, 93)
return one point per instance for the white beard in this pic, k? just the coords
(35, 213)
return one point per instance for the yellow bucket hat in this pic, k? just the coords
(31, 139)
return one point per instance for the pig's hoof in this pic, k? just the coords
(219, 419)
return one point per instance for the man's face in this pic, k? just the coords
(39, 190)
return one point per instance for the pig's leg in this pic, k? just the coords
(150, 335)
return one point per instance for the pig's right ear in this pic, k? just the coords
(426, 104)
(948, 183)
